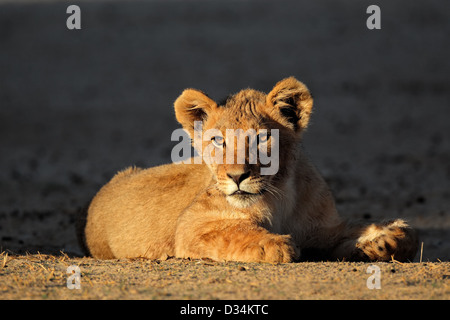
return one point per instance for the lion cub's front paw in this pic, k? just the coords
(392, 239)
(271, 248)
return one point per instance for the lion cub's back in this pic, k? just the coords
(135, 214)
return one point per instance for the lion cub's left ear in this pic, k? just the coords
(193, 105)
(290, 104)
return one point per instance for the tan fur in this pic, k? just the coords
(191, 210)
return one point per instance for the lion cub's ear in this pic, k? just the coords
(193, 105)
(291, 104)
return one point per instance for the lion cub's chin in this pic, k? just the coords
(244, 200)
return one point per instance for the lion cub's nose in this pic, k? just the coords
(238, 178)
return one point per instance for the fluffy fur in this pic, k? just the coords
(231, 211)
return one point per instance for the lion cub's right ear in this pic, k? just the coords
(193, 105)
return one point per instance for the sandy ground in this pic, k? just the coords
(78, 105)
(46, 277)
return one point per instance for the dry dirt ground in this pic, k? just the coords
(76, 106)
(45, 277)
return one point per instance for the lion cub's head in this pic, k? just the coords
(249, 141)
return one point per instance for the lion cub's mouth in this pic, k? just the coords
(244, 193)
(241, 192)
(244, 198)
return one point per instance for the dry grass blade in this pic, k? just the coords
(396, 261)
(5, 260)
(421, 252)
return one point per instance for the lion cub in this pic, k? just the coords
(229, 210)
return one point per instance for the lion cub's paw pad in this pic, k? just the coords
(392, 239)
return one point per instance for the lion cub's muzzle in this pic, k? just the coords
(241, 186)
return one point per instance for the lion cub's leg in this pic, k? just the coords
(379, 242)
(231, 239)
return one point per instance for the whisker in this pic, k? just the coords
(276, 192)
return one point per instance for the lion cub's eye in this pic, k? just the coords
(218, 141)
(263, 137)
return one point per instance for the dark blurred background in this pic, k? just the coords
(78, 105)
